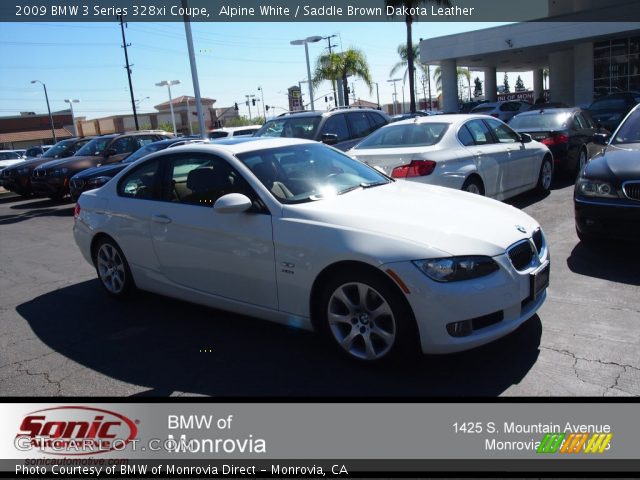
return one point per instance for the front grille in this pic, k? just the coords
(632, 190)
(521, 255)
(77, 183)
(537, 240)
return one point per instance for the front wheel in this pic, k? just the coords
(582, 160)
(367, 319)
(113, 269)
(546, 175)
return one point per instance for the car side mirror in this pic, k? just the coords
(232, 203)
(110, 151)
(329, 138)
(600, 138)
(525, 138)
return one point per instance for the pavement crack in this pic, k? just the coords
(46, 377)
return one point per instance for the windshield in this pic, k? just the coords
(303, 173)
(58, 149)
(405, 135)
(551, 121)
(94, 147)
(629, 131)
(297, 127)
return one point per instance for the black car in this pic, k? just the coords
(38, 151)
(607, 192)
(52, 178)
(95, 177)
(609, 111)
(18, 177)
(568, 132)
(341, 127)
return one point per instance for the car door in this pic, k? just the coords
(360, 127)
(119, 149)
(490, 158)
(520, 163)
(229, 255)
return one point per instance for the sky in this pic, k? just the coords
(85, 61)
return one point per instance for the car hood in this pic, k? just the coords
(108, 170)
(74, 162)
(621, 162)
(451, 221)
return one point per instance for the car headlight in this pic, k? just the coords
(60, 171)
(596, 188)
(98, 181)
(453, 269)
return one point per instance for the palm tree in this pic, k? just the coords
(337, 66)
(410, 51)
(404, 62)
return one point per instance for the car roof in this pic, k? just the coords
(451, 118)
(542, 111)
(249, 144)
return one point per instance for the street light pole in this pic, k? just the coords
(378, 94)
(53, 130)
(189, 118)
(249, 97)
(306, 42)
(264, 111)
(333, 82)
(168, 83)
(395, 93)
(73, 117)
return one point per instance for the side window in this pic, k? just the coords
(588, 120)
(377, 120)
(479, 132)
(360, 126)
(202, 179)
(576, 123)
(122, 145)
(465, 136)
(143, 140)
(143, 182)
(502, 132)
(337, 125)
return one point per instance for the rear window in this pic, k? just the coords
(482, 109)
(544, 121)
(220, 134)
(407, 135)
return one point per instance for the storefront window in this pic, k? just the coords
(616, 65)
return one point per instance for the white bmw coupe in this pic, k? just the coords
(297, 232)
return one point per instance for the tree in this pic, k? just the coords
(404, 62)
(243, 121)
(460, 72)
(520, 85)
(477, 90)
(507, 88)
(408, 19)
(337, 66)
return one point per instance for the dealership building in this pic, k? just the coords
(584, 58)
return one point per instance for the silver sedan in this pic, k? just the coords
(476, 153)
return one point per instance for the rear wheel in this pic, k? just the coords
(582, 160)
(113, 269)
(56, 197)
(546, 175)
(473, 185)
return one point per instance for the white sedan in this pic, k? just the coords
(297, 232)
(476, 153)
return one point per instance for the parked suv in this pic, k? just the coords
(52, 178)
(609, 111)
(18, 178)
(341, 127)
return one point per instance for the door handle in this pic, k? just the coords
(160, 219)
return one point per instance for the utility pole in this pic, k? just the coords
(128, 67)
(333, 82)
(249, 99)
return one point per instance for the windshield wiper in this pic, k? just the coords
(361, 185)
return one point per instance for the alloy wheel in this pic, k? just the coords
(111, 268)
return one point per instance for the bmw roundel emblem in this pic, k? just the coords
(521, 229)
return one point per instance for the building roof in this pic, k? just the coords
(183, 100)
(363, 103)
(34, 135)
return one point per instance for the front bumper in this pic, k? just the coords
(497, 304)
(53, 186)
(616, 218)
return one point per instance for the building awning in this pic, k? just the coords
(44, 135)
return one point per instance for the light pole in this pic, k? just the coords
(395, 93)
(73, 117)
(189, 117)
(249, 97)
(140, 100)
(53, 130)
(264, 111)
(378, 94)
(306, 42)
(168, 83)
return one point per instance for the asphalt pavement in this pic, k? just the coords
(60, 334)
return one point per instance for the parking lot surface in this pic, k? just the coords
(60, 334)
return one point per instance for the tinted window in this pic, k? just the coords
(33, 152)
(544, 121)
(377, 119)
(479, 132)
(465, 136)
(629, 131)
(142, 140)
(336, 125)
(218, 134)
(248, 131)
(502, 132)
(510, 107)
(405, 135)
(122, 145)
(142, 182)
(359, 123)
(587, 119)
(94, 147)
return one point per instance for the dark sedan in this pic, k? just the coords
(18, 177)
(609, 111)
(568, 132)
(97, 176)
(607, 192)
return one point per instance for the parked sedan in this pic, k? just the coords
(9, 158)
(296, 232)
(504, 110)
(607, 192)
(476, 153)
(18, 178)
(568, 132)
(95, 177)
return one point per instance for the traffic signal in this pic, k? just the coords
(235, 106)
(253, 102)
(266, 107)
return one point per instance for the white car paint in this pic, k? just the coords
(266, 264)
(505, 169)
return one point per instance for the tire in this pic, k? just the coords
(366, 318)
(545, 177)
(473, 185)
(582, 161)
(113, 269)
(56, 197)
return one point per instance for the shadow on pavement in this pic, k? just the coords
(608, 260)
(40, 212)
(170, 346)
